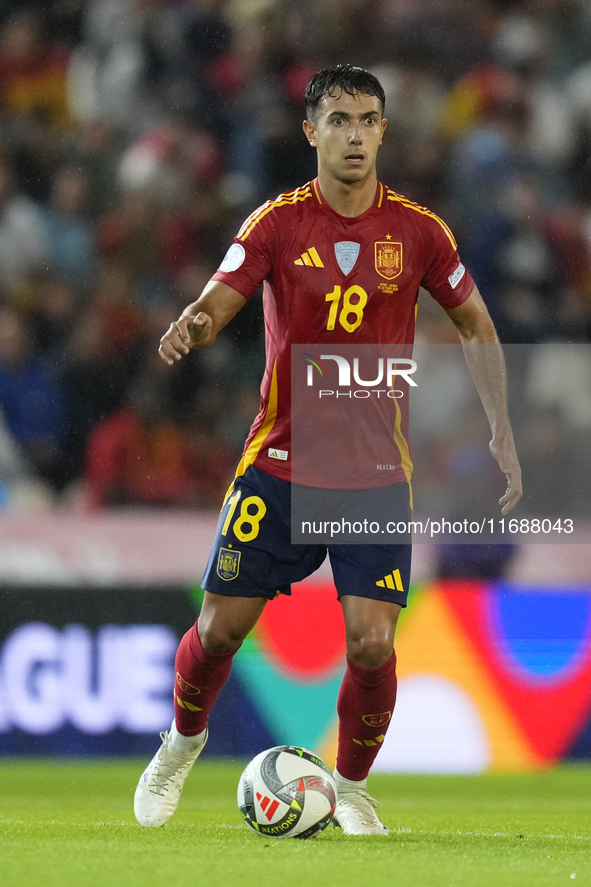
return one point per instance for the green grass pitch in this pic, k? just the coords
(70, 823)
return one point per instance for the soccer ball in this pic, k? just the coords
(287, 792)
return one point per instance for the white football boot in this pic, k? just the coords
(355, 811)
(159, 789)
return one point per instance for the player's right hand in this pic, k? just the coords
(182, 335)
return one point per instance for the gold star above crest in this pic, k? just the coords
(388, 237)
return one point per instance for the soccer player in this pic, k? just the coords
(341, 260)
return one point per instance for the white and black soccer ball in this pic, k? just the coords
(287, 792)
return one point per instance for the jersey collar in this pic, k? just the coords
(379, 198)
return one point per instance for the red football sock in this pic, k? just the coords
(364, 706)
(198, 680)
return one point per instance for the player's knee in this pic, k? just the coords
(217, 637)
(369, 650)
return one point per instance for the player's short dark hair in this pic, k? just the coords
(341, 78)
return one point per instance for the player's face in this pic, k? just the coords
(347, 133)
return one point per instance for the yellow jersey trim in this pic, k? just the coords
(260, 209)
(409, 204)
(290, 197)
(404, 449)
(252, 217)
(317, 190)
(381, 195)
(258, 440)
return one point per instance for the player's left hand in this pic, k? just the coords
(504, 452)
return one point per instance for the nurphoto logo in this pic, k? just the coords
(388, 370)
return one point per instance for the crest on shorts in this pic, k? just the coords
(377, 720)
(388, 259)
(228, 564)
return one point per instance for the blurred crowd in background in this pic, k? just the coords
(135, 137)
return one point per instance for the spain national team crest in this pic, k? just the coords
(388, 259)
(228, 564)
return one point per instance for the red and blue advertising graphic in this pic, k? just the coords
(491, 676)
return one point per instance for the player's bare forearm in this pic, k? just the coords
(486, 363)
(201, 321)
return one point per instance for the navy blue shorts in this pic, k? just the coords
(253, 555)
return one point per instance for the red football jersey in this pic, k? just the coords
(333, 280)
